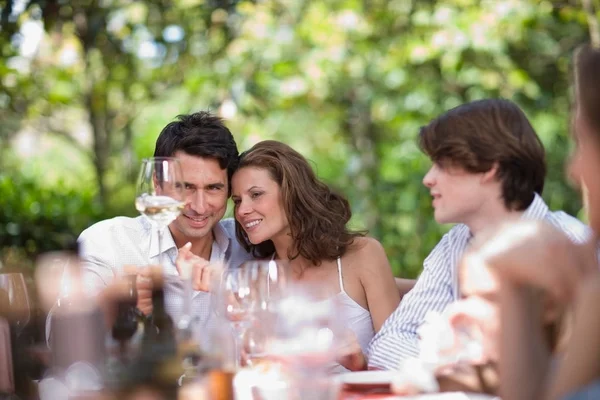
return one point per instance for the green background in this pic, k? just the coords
(347, 83)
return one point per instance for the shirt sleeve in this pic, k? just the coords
(97, 260)
(397, 339)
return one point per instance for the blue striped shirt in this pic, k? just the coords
(437, 287)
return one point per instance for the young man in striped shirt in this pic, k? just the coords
(488, 166)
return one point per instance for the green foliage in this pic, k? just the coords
(347, 83)
(35, 219)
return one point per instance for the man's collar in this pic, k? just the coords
(537, 209)
(167, 241)
(222, 239)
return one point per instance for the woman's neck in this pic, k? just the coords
(283, 245)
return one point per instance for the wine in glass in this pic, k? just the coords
(160, 193)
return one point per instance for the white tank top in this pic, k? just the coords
(354, 316)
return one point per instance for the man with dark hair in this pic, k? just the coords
(488, 167)
(208, 156)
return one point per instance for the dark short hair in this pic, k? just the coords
(199, 134)
(587, 78)
(316, 214)
(480, 134)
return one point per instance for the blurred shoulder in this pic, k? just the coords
(590, 290)
(576, 230)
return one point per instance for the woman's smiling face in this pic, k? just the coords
(258, 204)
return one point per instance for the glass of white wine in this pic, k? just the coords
(159, 194)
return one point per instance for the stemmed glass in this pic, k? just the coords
(236, 294)
(15, 291)
(271, 280)
(247, 293)
(159, 194)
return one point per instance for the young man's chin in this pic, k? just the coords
(443, 220)
(440, 218)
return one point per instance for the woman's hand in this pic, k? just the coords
(350, 354)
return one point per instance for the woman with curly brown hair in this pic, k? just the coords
(284, 211)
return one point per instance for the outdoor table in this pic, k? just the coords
(381, 395)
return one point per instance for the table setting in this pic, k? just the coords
(275, 340)
(269, 337)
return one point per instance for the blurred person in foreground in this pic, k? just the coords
(208, 156)
(461, 345)
(283, 211)
(488, 166)
(529, 258)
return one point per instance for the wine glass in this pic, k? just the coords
(159, 194)
(17, 299)
(236, 301)
(246, 294)
(270, 281)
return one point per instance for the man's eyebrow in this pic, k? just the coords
(216, 185)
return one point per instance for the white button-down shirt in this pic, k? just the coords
(109, 245)
(437, 287)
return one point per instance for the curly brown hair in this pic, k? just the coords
(480, 134)
(316, 214)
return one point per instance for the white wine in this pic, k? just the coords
(160, 209)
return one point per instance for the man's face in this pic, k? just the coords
(205, 196)
(457, 194)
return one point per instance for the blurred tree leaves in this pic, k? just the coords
(48, 218)
(346, 82)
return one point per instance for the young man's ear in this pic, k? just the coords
(490, 175)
